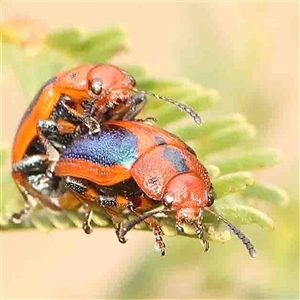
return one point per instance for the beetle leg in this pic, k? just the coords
(84, 190)
(154, 226)
(199, 226)
(81, 191)
(48, 125)
(86, 226)
(17, 217)
(34, 187)
(137, 103)
(89, 196)
(149, 120)
(179, 227)
(55, 130)
(58, 132)
(86, 119)
(31, 163)
(26, 165)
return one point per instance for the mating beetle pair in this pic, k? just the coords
(70, 104)
(75, 154)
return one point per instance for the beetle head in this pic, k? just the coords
(187, 195)
(93, 83)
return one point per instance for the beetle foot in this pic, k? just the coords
(120, 232)
(206, 245)
(86, 226)
(92, 125)
(149, 120)
(159, 243)
(179, 227)
(17, 218)
(200, 232)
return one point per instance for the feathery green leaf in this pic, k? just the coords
(267, 192)
(248, 160)
(245, 215)
(232, 183)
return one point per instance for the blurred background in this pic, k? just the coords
(249, 53)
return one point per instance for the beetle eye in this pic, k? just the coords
(210, 197)
(133, 82)
(96, 86)
(168, 200)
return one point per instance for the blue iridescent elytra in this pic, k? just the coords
(112, 145)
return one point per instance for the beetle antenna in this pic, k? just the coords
(236, 231)
(178, 104)
(121, 232)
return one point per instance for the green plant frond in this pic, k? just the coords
(249, 160)
(232, 183)
(41, 221)
(230, 174)
(11, 199)
(88, 48)
(68, 40)
(208, 127)
(232, 136)
(267, 192)
(195, 95)
(3, 156)
(39, 68)
(218, 236)
(244, 215)
(213, 171)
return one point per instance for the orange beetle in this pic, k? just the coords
(145, 165)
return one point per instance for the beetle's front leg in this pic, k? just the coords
(137, 103)
(154, 226)
(86, 118)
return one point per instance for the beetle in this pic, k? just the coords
(72, 103)
(147, 166)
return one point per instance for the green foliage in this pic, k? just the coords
(270, 193)
(88, 48)
(232, 183)
(249, 160)
(230, 173)
(243, 214)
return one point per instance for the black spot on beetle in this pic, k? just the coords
(152, 179)
(73, 75)
(175, 157)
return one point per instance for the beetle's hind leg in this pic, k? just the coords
(19, 173)
(18, 217)
(90, 197)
